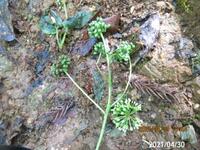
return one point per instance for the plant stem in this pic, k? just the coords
(60, 43)
(85, 93)
(57, 38)
(98, 58)
(65, 9)
(108, 106)
(63, 39)
(98, 63)
(128, 83)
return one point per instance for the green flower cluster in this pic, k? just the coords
(60, 68)
(124, 115)
(99, 49)
(97, 27)
(122, 53)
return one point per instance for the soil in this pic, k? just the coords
(29, 92)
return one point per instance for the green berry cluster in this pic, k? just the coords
(60, 68)
(124, 115)
(99, 49)
(97, 27)
(122, 53)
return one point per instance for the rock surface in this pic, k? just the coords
(164, 66)
(6, 29)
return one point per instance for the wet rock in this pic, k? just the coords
(131, 141)
(2, 133)
(18, 3)
(195, 85)
(42, 59)
(189, 134)
(17, 123)
(6, 66)
(189, 21)
(34, 84)
(43, 120)
(2, 88)
(37, 6)
(2, 50)
(6, 29)
(82, 48)
(115, 133)
(186, 44)
(113, 21)
(185, 49)
(196, 124)
(16, 130)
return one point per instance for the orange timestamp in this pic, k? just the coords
(160, 128)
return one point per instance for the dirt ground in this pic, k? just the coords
(29, 93)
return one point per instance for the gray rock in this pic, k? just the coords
(6, 29)
(2, 50)
(163, 65)
(150, 30)
(186, 44)
(189, 134)
(2, 133)
(6, 66)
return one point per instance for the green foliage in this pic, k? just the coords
(53, 24)
(190, 120)
(122, 53)
(79, 20)
(56, 19)
(124, 114)
(60, 68)
(184, 5)
(196, 63)
(60, 3)
(196, 60)
(99, 49)
(97, 27)
(50, 23)
(47, 25)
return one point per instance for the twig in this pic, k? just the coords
(98, 63)
(85, 93)
(128, 83)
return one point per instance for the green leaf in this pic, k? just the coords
(79, 20)
(58, 19)
(46, 25)
(98, 85)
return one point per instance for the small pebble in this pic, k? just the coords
(196, 106)
(153, 115)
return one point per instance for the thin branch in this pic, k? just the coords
(85, 93)
(128, 83)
